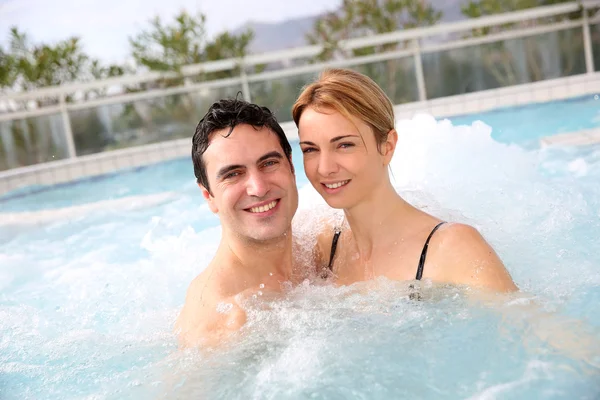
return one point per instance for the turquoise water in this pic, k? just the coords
(89, 290)
(525, 125)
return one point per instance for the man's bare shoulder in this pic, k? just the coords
(209, 309)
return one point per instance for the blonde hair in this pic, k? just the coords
(351, 94)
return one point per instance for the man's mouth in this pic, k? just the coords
(264, 207)
(336, 184)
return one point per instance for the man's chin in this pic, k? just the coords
(268, 236)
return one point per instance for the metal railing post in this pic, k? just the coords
(419, 71)
(587, 43)
(245, 85)
(67, 127)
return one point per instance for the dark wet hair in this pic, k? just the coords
(228, 113)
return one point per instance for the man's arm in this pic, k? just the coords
(206, 318)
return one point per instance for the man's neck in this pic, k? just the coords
(259, 260)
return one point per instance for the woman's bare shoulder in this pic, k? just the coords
(463, 256)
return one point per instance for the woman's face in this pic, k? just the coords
(341, 158)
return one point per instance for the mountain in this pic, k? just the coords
(292, 33)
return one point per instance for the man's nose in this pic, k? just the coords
(257, 185)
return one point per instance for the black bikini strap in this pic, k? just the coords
(424, 252)
(334, 242)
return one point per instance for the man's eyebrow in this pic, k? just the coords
(271, 154)
(228, 168)
(225, 170)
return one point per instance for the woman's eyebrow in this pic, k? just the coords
(335, 139)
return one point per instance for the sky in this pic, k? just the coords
(105, 25)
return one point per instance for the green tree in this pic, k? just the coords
(165, 47)
(29, 66)
(226, 46)
(33, 66)
(170, 46)
(7, 70)
(45, 65)
(358, 18)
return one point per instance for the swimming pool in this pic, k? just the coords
(89, 291)
(526, 124)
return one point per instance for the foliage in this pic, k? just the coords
(165, 47)
(169, 46)
(7, 70)
(357, 18)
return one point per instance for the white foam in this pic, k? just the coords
(579, 167)
(294, 368)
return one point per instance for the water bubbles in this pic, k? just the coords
(596, 97)
(578, 167)
(262, 285)
(224, 308)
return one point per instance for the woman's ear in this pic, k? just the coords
(389, 146)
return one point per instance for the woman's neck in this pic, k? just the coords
(376, 219)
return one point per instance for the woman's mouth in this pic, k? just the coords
(336, 185)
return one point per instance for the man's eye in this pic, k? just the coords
(270, 163)
(231, 175)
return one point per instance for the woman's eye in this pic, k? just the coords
(308, 150)
(346, 145)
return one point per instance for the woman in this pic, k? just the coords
(348, 137)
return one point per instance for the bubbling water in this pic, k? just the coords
(87, 302)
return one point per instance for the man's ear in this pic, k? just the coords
(210, 200)
(389, 146)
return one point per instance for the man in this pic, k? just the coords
(243, 165)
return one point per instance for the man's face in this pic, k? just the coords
(253, 187)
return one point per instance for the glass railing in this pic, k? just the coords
(279, 94)
(116, 126)
(504, 63)
(595, 35)
(31, 141)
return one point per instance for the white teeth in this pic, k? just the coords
(336, 185)
(264, 208)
